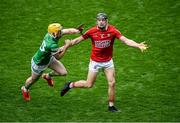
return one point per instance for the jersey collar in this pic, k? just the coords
(53, 37)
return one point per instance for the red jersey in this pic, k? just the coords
(102, 42)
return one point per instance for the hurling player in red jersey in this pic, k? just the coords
(102, 36)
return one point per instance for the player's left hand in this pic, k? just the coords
(143, 46)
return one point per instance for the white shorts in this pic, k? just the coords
(95, 66)
(38, 69)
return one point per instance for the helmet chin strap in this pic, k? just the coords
(55, 36)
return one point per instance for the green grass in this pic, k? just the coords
(147, 85)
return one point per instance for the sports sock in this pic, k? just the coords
(111, 104)
(26, 89)
(71, 85)
(50, 74)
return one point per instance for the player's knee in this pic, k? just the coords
(62, 73)
(89, 85)
(112, 83)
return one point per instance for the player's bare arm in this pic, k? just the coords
(70, 31)
(61, 50)
(142, 46)
(75, 41)
(79, 29)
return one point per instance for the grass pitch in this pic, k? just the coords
(147, 85)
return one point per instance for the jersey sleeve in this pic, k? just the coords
(86, 34)
(54, 49)
(118, 33)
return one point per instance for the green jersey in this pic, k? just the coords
(48, 47)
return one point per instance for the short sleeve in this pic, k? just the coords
(54, 48)
(118, 34)
(86, 34)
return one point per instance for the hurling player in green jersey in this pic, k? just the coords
(47, 56)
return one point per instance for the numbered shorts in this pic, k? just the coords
(38, 69)
(95, 66)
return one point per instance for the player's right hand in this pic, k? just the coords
(80, 28)
(143, 46)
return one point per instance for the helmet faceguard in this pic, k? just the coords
(102, 17)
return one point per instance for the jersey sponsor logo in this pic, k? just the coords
(102, 44)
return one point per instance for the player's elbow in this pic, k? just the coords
(61, 72)
(64, 73)
(111, 83)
